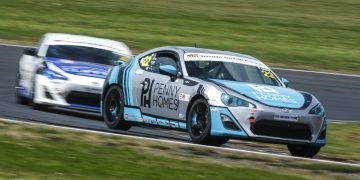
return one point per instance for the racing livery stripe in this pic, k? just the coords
(114, 74)
(135, 115)
(86, 69)
(202, 91)
(199, 89)
(85, 107)
(128, 83)
(124, 85)
(131, 73)
(117, 74)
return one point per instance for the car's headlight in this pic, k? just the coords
(233, 101)
(53, 75)
(317, 110)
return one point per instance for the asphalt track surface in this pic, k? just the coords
(339, 94)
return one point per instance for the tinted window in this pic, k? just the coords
(84, 54)
(230, 71)
(153, 61)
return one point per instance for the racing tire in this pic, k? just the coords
(19, 99)
(300, 150)
(113, 109)
(199, 124)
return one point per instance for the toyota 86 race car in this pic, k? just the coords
(67, 70)
(215, 96)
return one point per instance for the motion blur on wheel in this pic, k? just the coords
(215, 96)
(67, 70)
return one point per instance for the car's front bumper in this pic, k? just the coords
(272, 124)
(83, 95)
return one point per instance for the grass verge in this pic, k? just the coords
(343, 143)
(33, 152)
(316, 35)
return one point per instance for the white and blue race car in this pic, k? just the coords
(67, 70)
(215, 96)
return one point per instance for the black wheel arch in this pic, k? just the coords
(107, 86)
(193, 99)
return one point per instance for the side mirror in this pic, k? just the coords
(118, 63)
(168, 70)
(30, 51)
(285, 81)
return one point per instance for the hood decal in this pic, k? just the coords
(269, 95)
(81, 68)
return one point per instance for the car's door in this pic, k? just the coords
(158, 94)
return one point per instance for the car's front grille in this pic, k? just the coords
(83, 98)
(282, 129)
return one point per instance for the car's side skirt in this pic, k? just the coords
(134, 115)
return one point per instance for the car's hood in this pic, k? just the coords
(81, 68)
(268, 95)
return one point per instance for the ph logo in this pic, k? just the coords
(263, 89)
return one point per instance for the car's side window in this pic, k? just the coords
(152, 62)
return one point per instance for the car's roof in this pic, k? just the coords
(56, 38)
(210, 51)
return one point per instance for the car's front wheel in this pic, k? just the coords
(19, 99)
(113, 109)
(301, 150)
(199, 124)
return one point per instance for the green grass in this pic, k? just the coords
(38, 152)
(343, 142)
(305, 34)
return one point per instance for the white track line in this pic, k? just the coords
(183, 143)
(284, 69)
(318, 72)
(14, 45)
(343, 122)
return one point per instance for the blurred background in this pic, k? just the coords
(308, 34)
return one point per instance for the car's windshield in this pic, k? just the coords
(84, 54)
(230, 71)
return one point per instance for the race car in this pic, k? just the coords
(67, 71)
(214, 96)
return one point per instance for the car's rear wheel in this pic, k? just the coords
(303, 150)
(199, 124)
(113, 109)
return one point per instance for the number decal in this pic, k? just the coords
(268, 74)
(145, 62)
